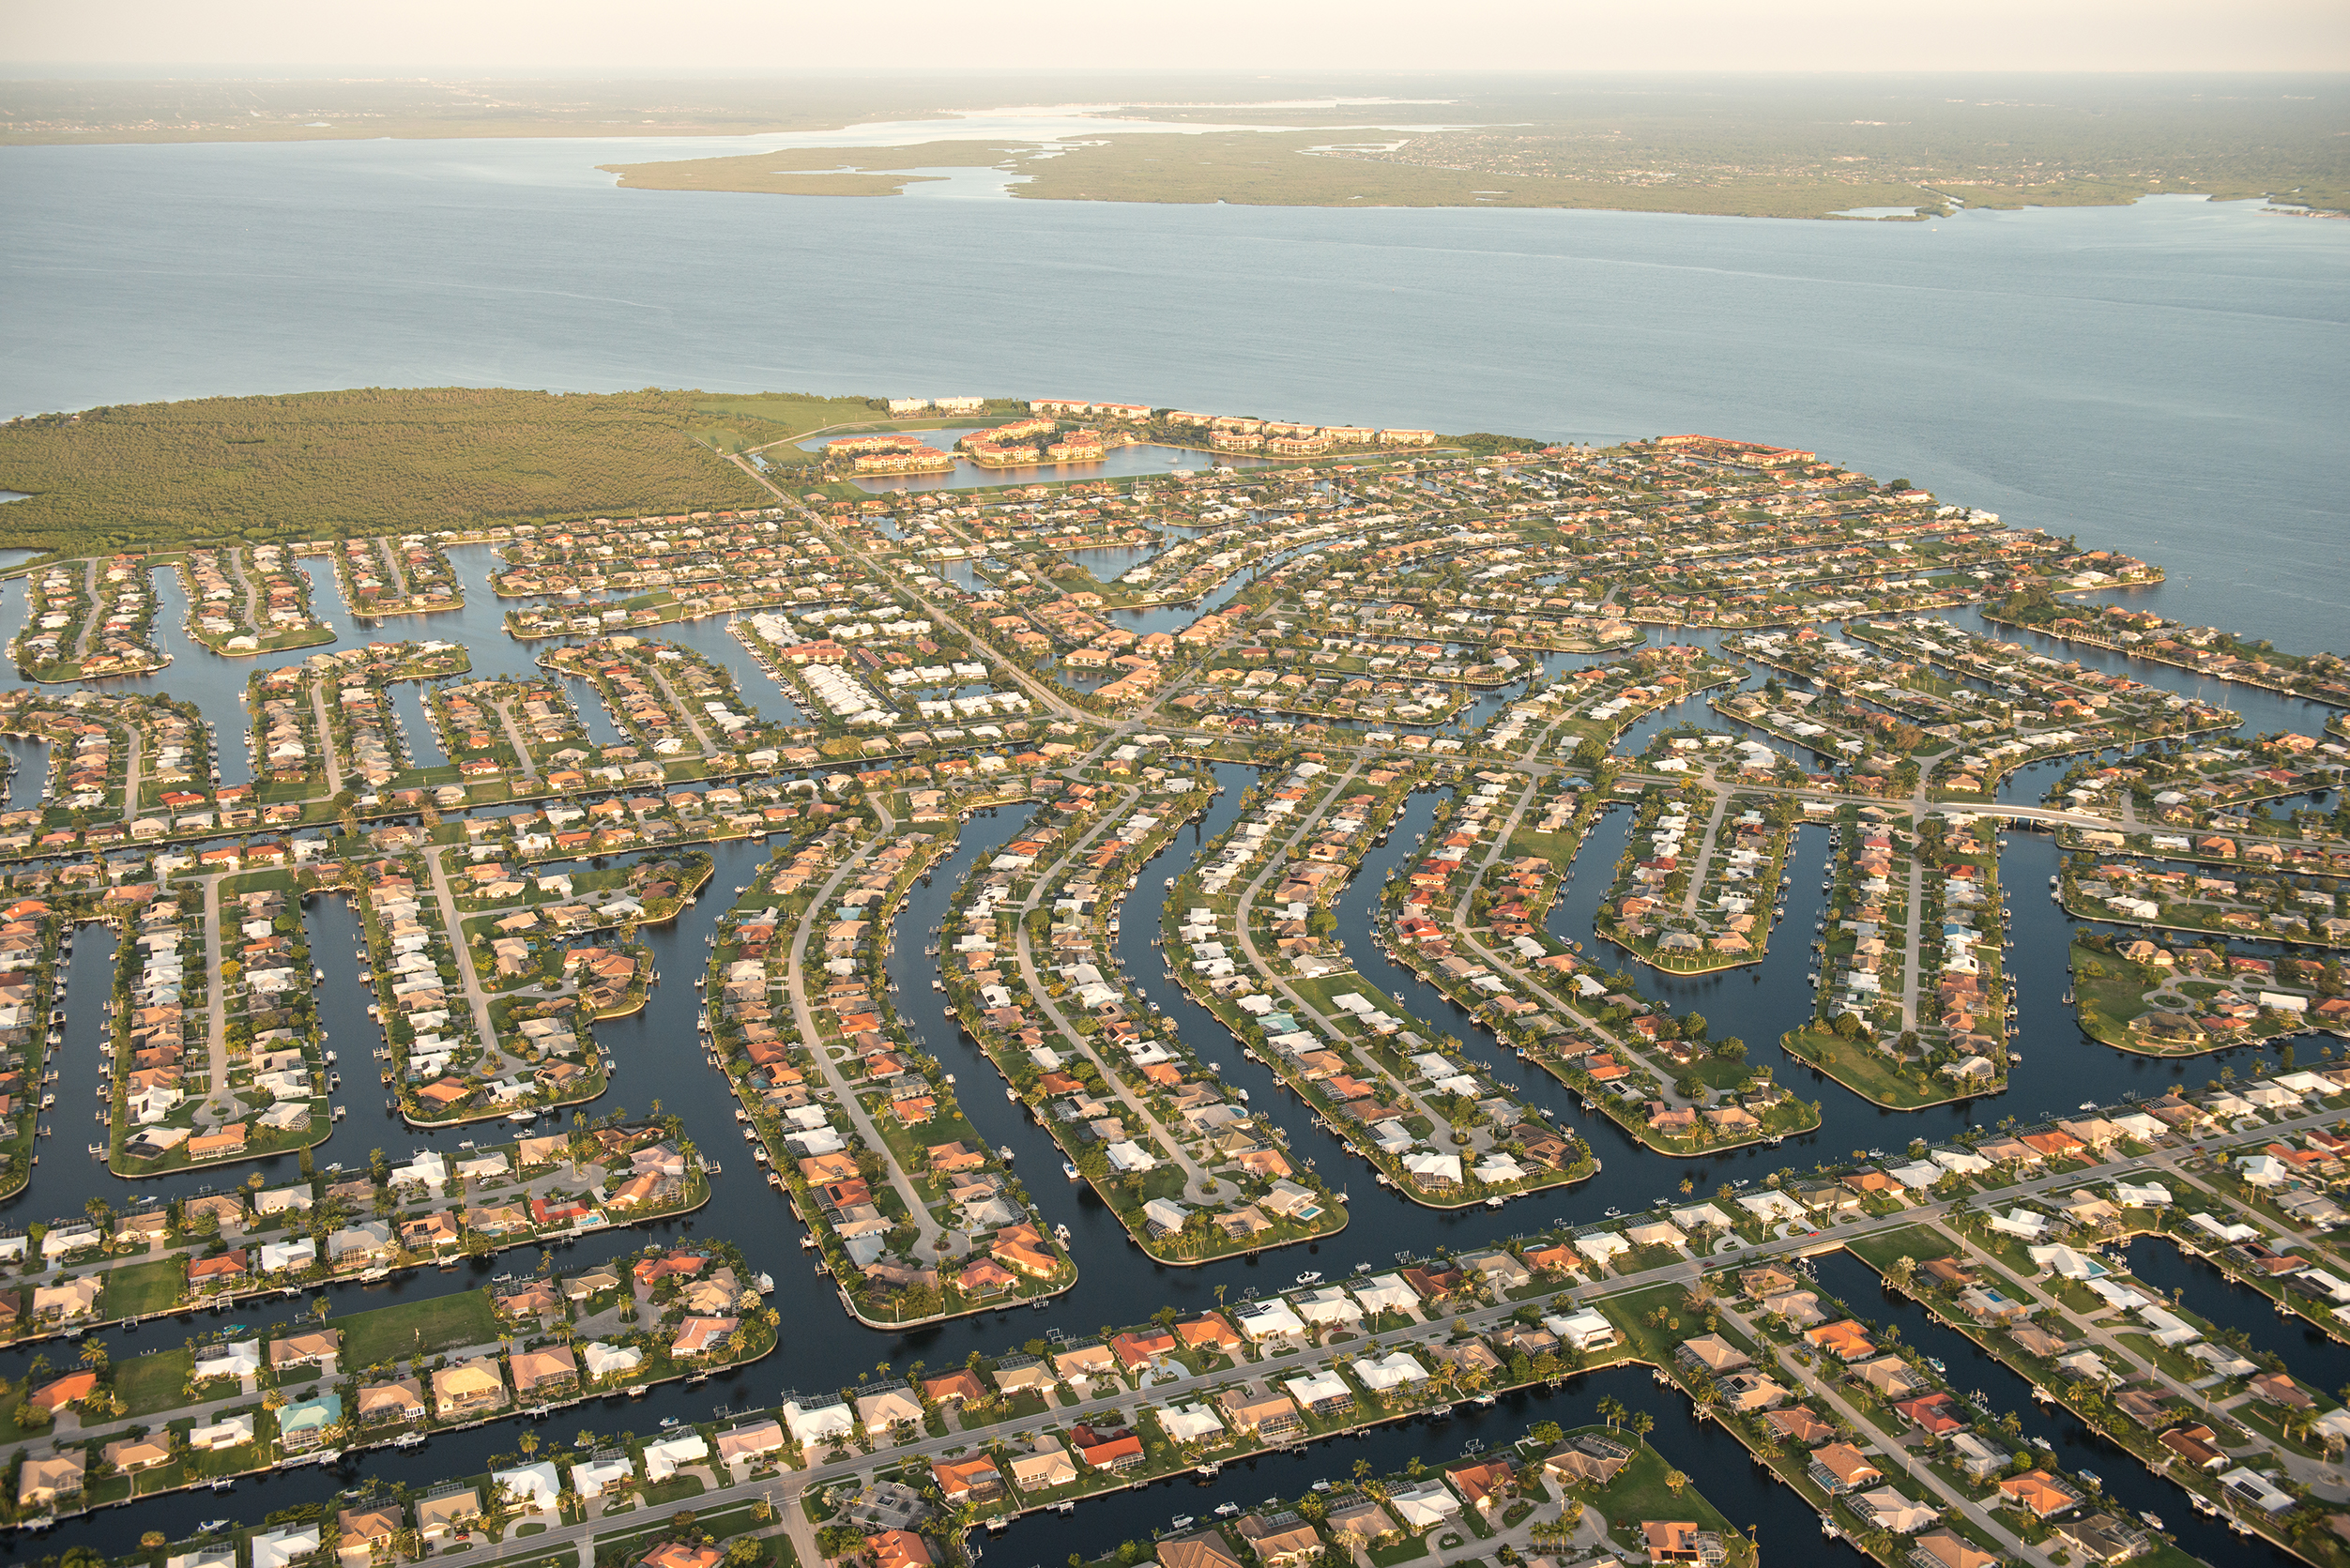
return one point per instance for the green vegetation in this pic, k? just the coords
(154, 1383)
(368, 460)
(422, 1328)
(1783, 148)
(733, 424)
(1650, 1488)
(151, 1285)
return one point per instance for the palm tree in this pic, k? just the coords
(1643, 1423)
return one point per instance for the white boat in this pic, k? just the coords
(1181, 1521)
(1069, 1169)
(1310, 1277)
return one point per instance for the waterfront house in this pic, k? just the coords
(42, 1481)
(1046, 1468)
(446, 1510)
(1841, 1468)
(468, 1388)
(400, 1399)
(974, 1480)
(1203, 1549)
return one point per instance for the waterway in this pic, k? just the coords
(1748, 1495)
(1971, 1368)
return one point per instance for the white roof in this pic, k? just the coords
(664, 1457)
(275, 1548)
(535, 1486)
(818, 1423)
(1265, 1319)
(602, 1360)
(589, 1477)
(1316, 1386)
(1184, 1423)
(1428, 1505)
(1602, 1245)
(1386, 1293)
(1389, 1372)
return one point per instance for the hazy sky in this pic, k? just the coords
(1151, 34)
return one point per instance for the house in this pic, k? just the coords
(898, 1548)
(370, 1527)
(58, 1392)
(1269, 1413)
(228, 1431)
(1799, 1424)
(1321, 1393)
(603, 1472)
(1588, 1461)
(678, 1554)
(1203, 1549)
(132, 1454)
(973, 1480)
(751, 1442)
(702, 1336)
(1118, 1451)
(551, 1369)
(1424, 1506)
(402, 1399)
(1845, 1339)
(818, 1426)
(1944, 1548)
(1841, 1468)
(468, 1388)
(529, 1488)
(315, 1349)
(304, 1424)
(447, 1511)
(882, 1413)
(1484, 1485)
(277, 1549)
(1585, 1330)
(44, 1479)
(1712, 1354)
(1680, 1541)
(665, 1456)
(2039, 1493)
(2102, 1538)
(1048, 1467)
(1282, 1541)
(2196, 1444)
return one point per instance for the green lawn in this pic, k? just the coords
(152, 1383)
(1639, 1492)
(1868, 1072)
(1917, 1242)
(418, 1328)
(151, 1285)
